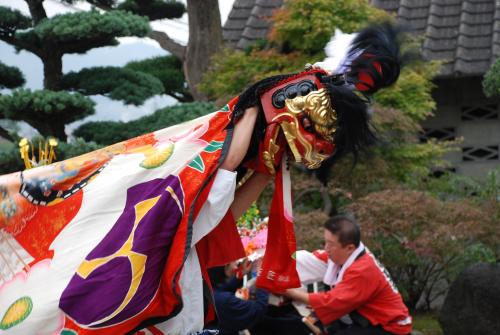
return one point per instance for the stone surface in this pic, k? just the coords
(472, 305)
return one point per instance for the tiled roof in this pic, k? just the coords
(248, 21)
(465, 34)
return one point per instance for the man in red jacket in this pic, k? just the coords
(361, 286)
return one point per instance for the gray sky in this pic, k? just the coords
(129, 49)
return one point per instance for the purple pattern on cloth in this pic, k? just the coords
(103, 291)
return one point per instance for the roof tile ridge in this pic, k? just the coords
(407, 4)
(379, 4)
(404, 5)
(462, 49)
(432, 25)
(265, 4)
(495, 38)
(237, 5)
(462, 28)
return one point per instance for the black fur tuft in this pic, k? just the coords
(353, 134)
(376, 56)
(251, 96)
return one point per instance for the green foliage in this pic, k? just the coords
(105, 3)
(47, 111)
(399, 157)
(168, 69)
(474, 253)
(82, 31)
(154, 9)
(412, 92)
(455, 186)
(117, 83)
(491, 82)
(12, 20)
(76, 147)
(424, 241)
(427, 324)
(250, 218)
(44, 104)
(105, 132)
(484, 193)
(232, 71)
(108, 132)
(308, 25)
(399, 110)
(10, 77)
(10, 159)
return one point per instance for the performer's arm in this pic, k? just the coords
(241, 139)
(248, 193)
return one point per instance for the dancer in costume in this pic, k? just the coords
(118, 240)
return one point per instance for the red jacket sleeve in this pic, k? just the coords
(352, 292)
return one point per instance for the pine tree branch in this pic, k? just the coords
(36, 10)
(100, 5)
(81, 46)
(9, 39)
(5, 134)
(168, 44)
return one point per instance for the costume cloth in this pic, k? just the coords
(107, 242)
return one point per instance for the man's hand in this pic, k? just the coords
(246, 266)
(297, 294)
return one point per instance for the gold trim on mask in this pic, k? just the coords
(312, 159)
(318, 108)
(291, 131)
(268, 156)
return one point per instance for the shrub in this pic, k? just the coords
(423, 241)
(491, 82)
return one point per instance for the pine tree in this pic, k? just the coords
(63, 99)
(10, 77)
(205, 34)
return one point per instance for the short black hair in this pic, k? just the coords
(346, 228)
